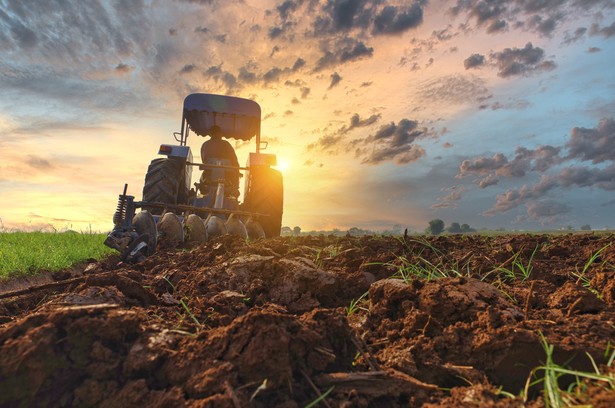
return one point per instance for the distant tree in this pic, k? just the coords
(285, 231)
(465, 228)
(435, 227)
(454, 228)
(297, 231)
(569, 228)
(586, 227)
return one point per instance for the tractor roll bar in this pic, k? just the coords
(238, 118)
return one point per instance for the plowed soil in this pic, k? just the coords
(368, 321)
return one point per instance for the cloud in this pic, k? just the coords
(521, 61)
(122, 68)
(344, 50)
(473, 61)
(605, 32)
(394, 20)
(540, 159)
(187, 69)
(454, 89)
(393, 142)
(335, 139)
(542, 17)
(596, 145)
(305, 91)
(514, 197)
(547, 211)
(365, 16)
(38, 162)
(575, 36)
(449, 200)
(335, 79)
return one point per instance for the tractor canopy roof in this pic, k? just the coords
(238, 118)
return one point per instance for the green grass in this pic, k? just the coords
(554, 396)
(29, 253)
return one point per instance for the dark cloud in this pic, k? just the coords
(305, 91)
(122, 68)
(358, 16)
(344, 50)
(539, 16)
(540, 159)
(275, 32)
(547, 211)
(336, 138)
(186, 69)
(575, 36)
(596, 145)
(273, 75)
(286, 8)
(482, 165)
(335, 79)
(516, 197)
(357, 122)
(544, 26)
(394, 20)
(326, 143)
(473, 61)
(357, 51)
(393, 142)
(605, 32)
(592, 50)
(521, 61)
(247, 76)
(497, 26)
(299, 63)
(25, 37)
(603, 178)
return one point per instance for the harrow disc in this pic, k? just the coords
(195, 229)
(234, 226)
(254, 229)
(144, 223)
(170, 230)
(215, 227)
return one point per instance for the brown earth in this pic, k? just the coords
(266, 324)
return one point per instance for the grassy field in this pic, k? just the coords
(29, 253)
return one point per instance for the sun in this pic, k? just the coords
(283, 165)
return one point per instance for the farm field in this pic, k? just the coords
(446, 321)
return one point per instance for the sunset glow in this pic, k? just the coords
(380, 113)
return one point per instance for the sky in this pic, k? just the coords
(493, 113)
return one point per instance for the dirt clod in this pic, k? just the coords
(280, 322)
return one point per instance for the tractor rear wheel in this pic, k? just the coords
(162, 182)
(266, 196)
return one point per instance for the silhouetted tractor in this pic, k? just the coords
(175, 210)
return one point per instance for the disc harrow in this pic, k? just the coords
(138, 234)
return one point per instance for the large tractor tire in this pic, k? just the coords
(266, 196)
(163, 181)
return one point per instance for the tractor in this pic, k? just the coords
(174, 209)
